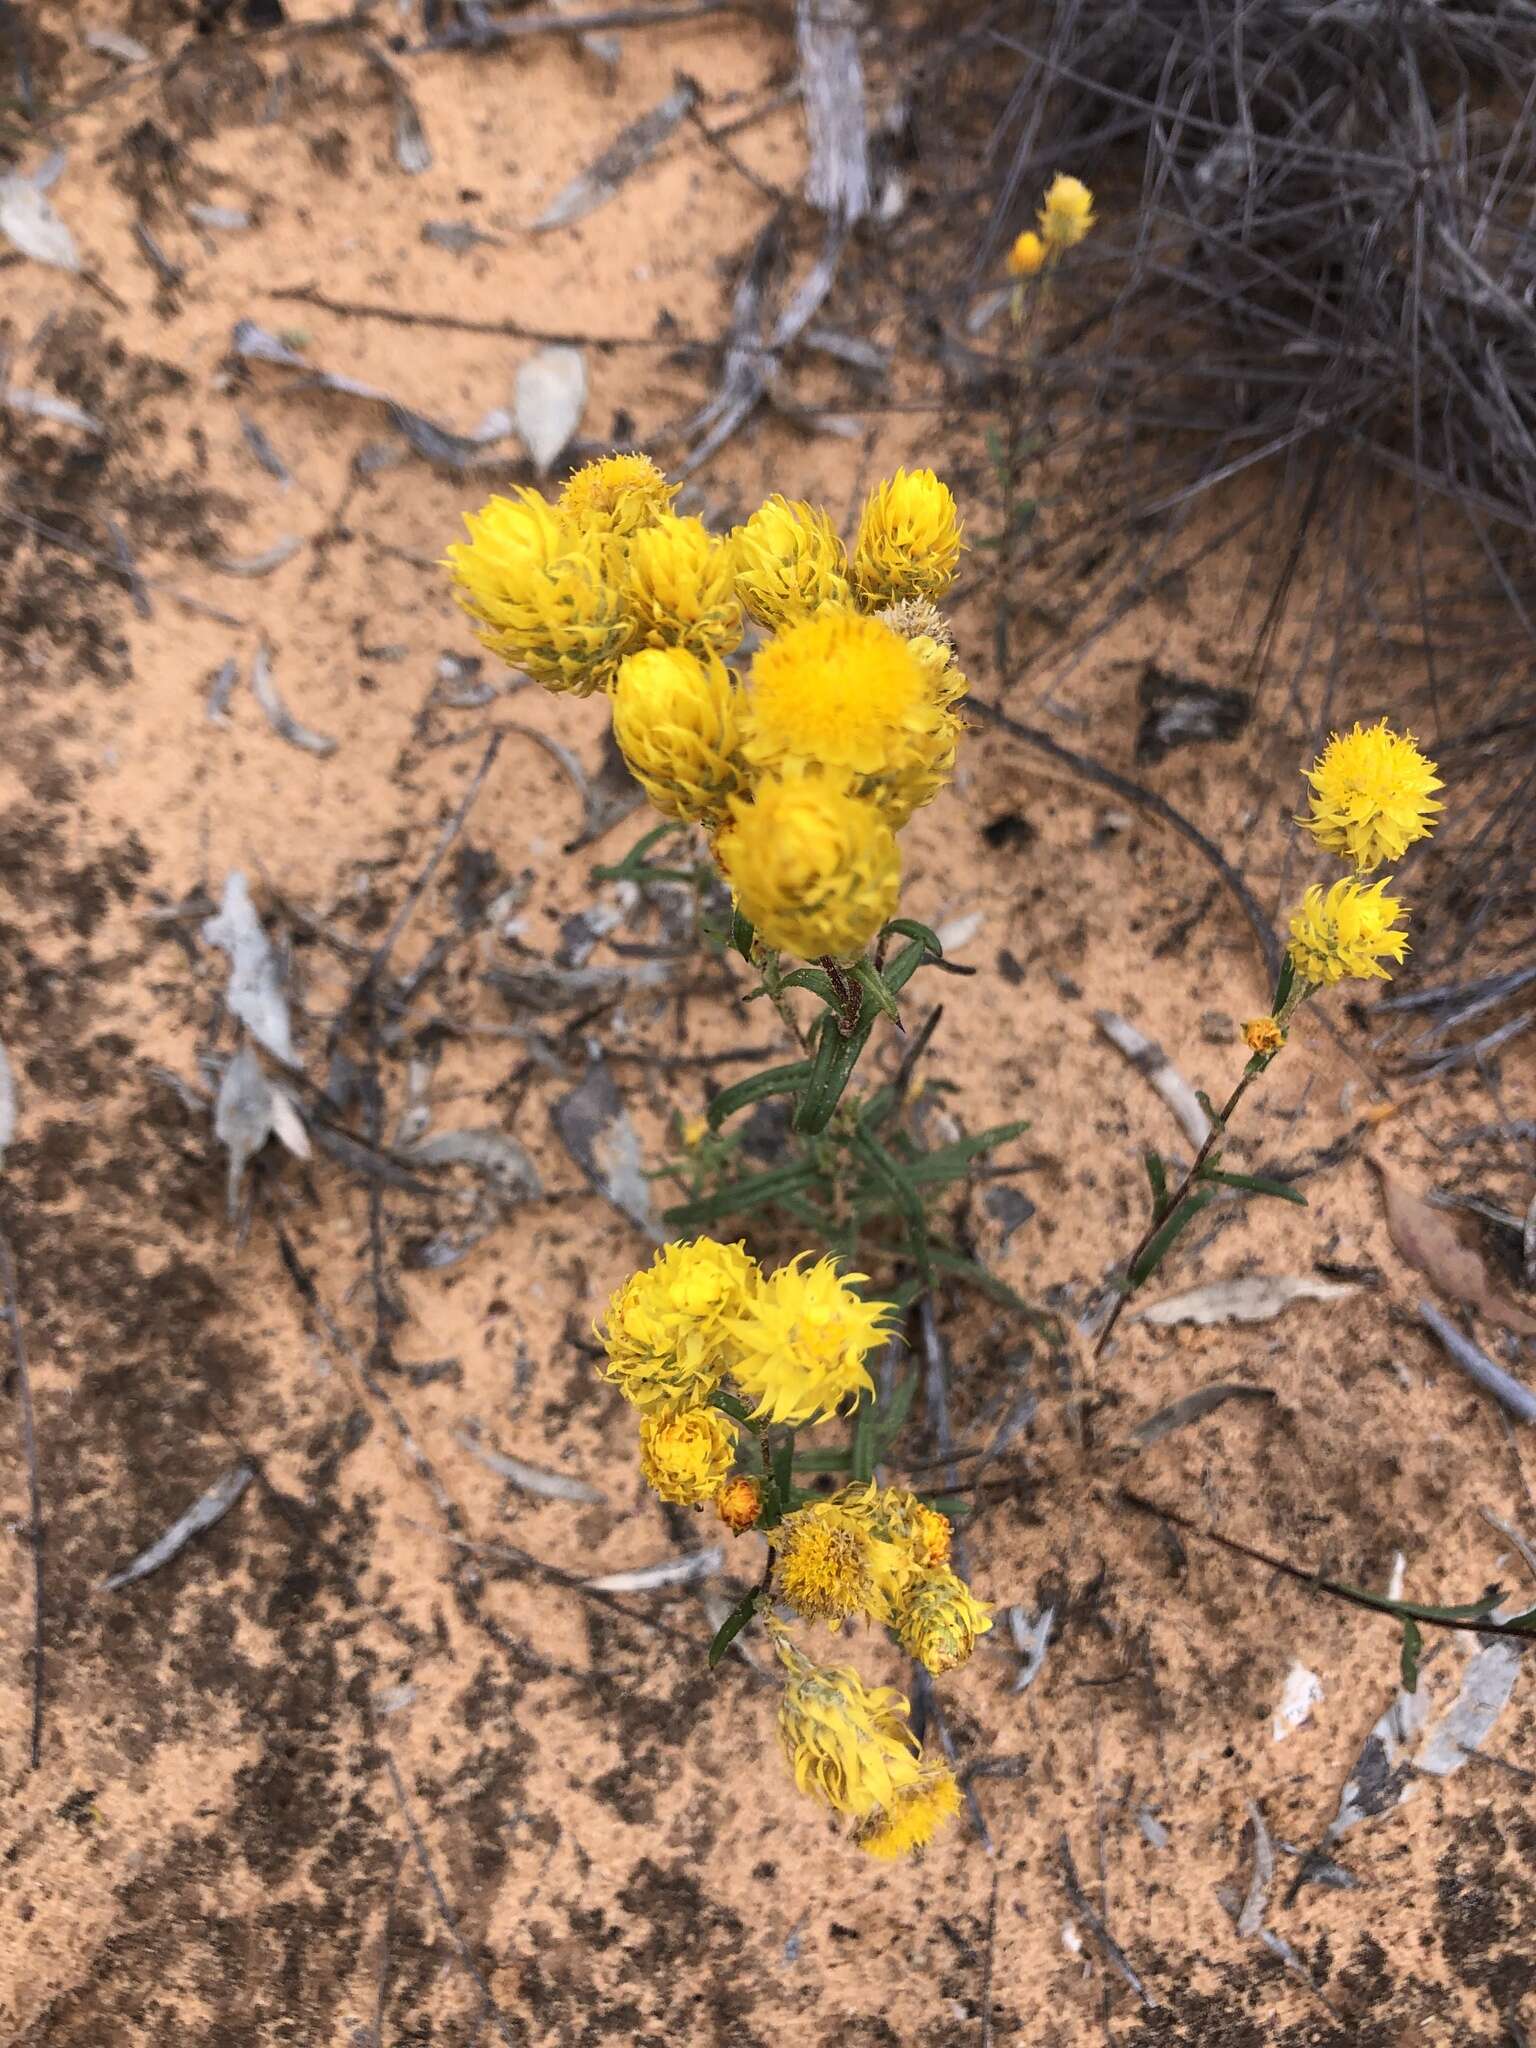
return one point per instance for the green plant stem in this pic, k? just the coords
(767, 964)
(1213, 1139)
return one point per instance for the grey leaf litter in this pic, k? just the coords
(255, 992)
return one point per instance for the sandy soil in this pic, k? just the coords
(251, 1758)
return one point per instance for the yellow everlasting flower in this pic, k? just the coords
(675, 719)
(1372, 796)
(540, 593)
(617, 495)
(909, 539)
(671, 1327)
(848, 1744)
(1347, 932)
(940, 1619)
(801, 1339)
(1027, 257)
(739, 1503)
(1067, 214)
(850, 697)
(815, 870)
(686, 1458)
(926, 631)
(915, 1814)
(829, 1564)
(681, 587)
(789, 562)
(920, 1531)
(1263, 1035)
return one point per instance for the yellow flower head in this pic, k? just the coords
(921, 1531)
(814, 869)
(848, 1744)
(1372, 796)
(829, 1564)
(1348, 931)
(695, 1130)
(681, 587)
(617, 495)
(540, 593)
(801, 1341)
(670, 1331)
(909, 539)
(675, 719)
(1263, 1035)
(915, 1814)
(940, 1620)
(739, 1503)
(1067, 214)
(848, 696)
(1028, 255)
(926, 631)
(687, 1457)
(789, 562)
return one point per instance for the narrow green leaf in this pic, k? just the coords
(1162, 1243)
(1157, 1175)
(783, 1459)
(1256, 1184)
(816, 979)
(949, 1162)
(730, 1404)
(732, 1626)
(902, 1193)
(864, 974)
(890, 1416)
(785, 1080)
(739, 1195)
(825, 1461)
(925, 935)
(1285, 984)
(743, 936)
(1413, 1647)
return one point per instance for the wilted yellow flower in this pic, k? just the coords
(1348, 931)
(921, 1531)
(739, 1503)
(1027, 256)
(686, 1457)
(616, 495)
(1372, 796)
(815, 870)
(848, 1744)
(540, 593)
(909, 539)
(915, 1814)
(1263, 1035)
(801, 1339)
(1067, 214)
(675, 719)
(940, 1619)
(681, 587)
(850, 697)
(830, 1564)
(789, 562)
(671, 1327)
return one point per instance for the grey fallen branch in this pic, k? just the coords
(1159, 1073)
(1113, 1953)
(212, 1507)
(1513, 1394)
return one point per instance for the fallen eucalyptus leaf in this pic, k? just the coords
(288, 1126)
(672, 1571)
(203, 1513)
(1432, 1241)
(242, 1117)
(494, 1155)
(255, 992)
(1377, 1782)
(29, 223)
(41, 405)
(1252, 1300)
(595, 1129)
(278, 716)
(1194, 1408)
(1486, 1686)
(624, 156)
(1150, 1061)
(547, 1485)
(549, 395)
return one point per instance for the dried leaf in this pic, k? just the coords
(7, 1102)
(288, 1126)
(29, 223)
(499, 1158)
(595, 1129)
(635, 147)
(259, 565)
(458, 237)
(1255, 1299)
(547, 1485)
(1515, 1395)
(1194, 1408)
(545, 987)
(1376, 1783)
(1431, 1240)
(1251, 1918)
(242, 1117)
(549, 396)
(111, 42)
(1486, 1686)
(221, 687)
(1302, 1691)
(672, 1571)
(1160, 1074)
(255, 993)
(229, 219)
(1031, 1638)
(214, 1505)
(40, 405)
(279, 717)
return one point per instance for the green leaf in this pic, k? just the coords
(817, 980)
(785, 1080)
(739, 1195)
(902, 1193)
(925, 935)
(622, 870)
(1157, 1175)
(970, 1270)
(864, 974)
(743, 935)
(1256, 1184)
(1162, 1243)
(890, 1416)
(732, 1626)
(824, 1461)
(1285, 984)
(831, 1070)
(899, 972)
(949, 1162)
(783, 1465)
(1413, 1647)
(730, 1404)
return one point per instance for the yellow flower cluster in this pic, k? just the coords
(805, 767)
(1372, 798)
(1063, 221)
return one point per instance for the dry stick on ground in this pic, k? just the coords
(1113, 1952)
(489, 2009)
(1352, 1596)
(381, 2001)
(12, 1314)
